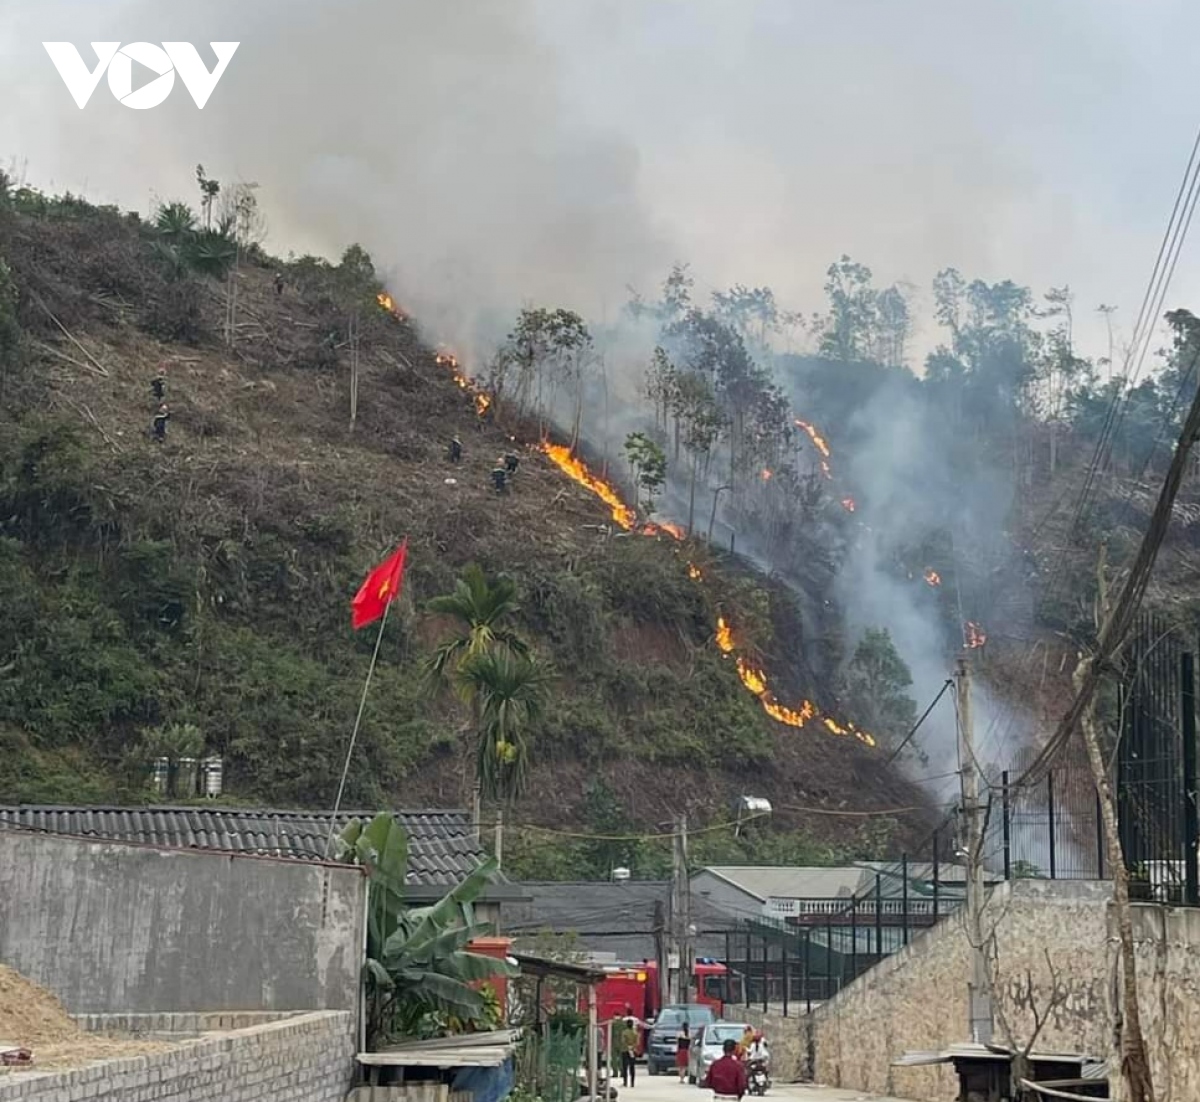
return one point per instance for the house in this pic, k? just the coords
(617, 917)
(442, 846)
(804, 895)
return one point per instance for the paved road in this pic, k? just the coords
(662, 1088)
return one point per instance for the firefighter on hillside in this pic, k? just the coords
(456, 450)
(159, 426)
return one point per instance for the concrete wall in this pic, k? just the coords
(916, 999)
(1167, 944)
(306, 1058)
(111, 927)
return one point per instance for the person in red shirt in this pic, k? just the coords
(727, 1076)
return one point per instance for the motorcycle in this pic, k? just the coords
(759, 1080)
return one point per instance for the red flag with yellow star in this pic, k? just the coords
(381, 587)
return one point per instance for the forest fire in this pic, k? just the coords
(724, 635)
(973, 635)
(694, 572)
(818, 443)
(389, 304)
(933, 577)
(848, 504)
(482, 403)
(754, 679)
(576, 469)
(660, 528)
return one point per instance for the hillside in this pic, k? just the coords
(206, 579)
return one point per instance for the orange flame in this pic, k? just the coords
(848, 504)
(819, 443)
(973, 635)
(694, 572)
(754, 679)
(724, 635)
(389, 304)
(766, 474)
(756, 682)
(482, 403)
(933, 577)
(574, 468)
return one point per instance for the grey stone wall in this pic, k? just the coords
(111, 927)
(916, 999)
(304, 1058)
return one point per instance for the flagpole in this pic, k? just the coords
(337, 804)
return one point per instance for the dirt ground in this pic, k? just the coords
(33, 1018)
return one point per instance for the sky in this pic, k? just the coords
(495, 154)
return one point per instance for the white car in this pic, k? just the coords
(709, 1046)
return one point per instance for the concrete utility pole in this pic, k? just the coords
(682, 910)
(979, 990)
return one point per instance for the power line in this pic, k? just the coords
(916, 726)
(1116, 626)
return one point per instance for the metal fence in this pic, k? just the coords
(822, 944)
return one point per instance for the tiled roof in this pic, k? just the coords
(609, 916)
(441, 844)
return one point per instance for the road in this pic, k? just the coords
(666, 1088)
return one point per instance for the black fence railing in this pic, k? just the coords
(806, 950)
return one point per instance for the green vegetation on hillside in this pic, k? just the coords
(205, 580)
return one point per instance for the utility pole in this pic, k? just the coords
(979, 990)
(682, 910)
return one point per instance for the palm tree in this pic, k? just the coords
(508, 690)
(175, 222)
(480, 607)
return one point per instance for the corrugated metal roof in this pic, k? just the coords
(442, 846)
(766, 882)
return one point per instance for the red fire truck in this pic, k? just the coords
(635, 987)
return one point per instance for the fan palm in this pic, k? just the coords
(479, 607)
(175, 222)
(509, 690)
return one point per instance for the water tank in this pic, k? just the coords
(212, 774)
(185, 777)
(160, 775)
(620, 874)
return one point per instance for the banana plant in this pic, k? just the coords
(418, 961)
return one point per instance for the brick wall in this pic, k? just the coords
(301, 1058)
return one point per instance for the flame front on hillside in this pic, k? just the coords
(756, 682)
(576, 469)
(818, 443)
(389, 304)
(933, 577)
(754, 679)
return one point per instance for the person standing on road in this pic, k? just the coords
(683, 1044)
(727, 1077)
(629, 1047)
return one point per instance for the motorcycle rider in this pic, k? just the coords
(758, 1060)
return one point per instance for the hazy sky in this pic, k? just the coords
(490, 152)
